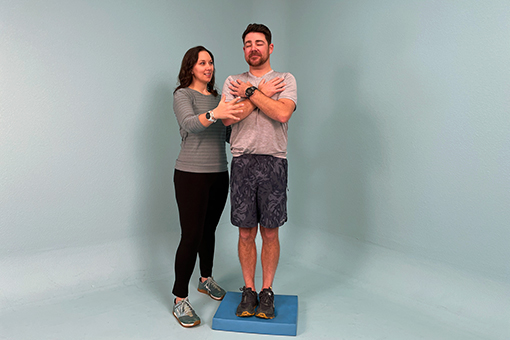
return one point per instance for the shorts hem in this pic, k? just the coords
(250, 227)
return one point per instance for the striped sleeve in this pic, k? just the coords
(186, 117)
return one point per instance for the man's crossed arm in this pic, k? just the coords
(280, 110)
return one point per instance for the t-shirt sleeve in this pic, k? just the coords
(226, 91)
(290, 91)
(186, 117)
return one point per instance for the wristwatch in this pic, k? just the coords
(210, 116)
(249, 91)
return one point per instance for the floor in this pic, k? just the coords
(359, 291)
(142, 311)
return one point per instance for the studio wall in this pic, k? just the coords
(400, 138)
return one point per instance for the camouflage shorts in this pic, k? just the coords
(258, 191)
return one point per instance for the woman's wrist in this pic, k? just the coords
(209, 115)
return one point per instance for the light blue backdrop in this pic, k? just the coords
(402, 133)
(400, 139)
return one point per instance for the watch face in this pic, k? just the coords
(207, 115)
(249, 91)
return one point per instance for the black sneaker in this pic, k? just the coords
(266, 307)
(248, 302)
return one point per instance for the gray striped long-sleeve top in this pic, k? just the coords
(202, 149)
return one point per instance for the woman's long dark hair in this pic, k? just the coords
(188, 62)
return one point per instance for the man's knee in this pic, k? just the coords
(269, 234)
(247, 234)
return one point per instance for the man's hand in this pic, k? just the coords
(280, 110)
(238, 88)
(272, 87)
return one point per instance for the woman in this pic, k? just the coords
(200, 178)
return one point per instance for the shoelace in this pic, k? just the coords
(210, 282)
(245, 293)
(265, 298)
(185, 308)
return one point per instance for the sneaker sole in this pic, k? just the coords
(245, 314)
(185, 325)
(264, 316)
(212, 297)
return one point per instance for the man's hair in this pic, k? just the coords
(260, 28)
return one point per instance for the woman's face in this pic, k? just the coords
(204, 68)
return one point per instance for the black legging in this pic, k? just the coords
(200, 198)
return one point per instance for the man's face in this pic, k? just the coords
(256, 49)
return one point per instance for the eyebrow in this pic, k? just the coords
(256, 41)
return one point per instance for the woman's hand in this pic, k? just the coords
(228, 110)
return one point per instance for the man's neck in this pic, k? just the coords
(259, 71)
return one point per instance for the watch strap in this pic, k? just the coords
(210, 116)
(250, 91)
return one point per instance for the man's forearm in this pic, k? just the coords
(279, 110)
(247, 110)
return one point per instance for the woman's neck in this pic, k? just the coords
(199, 87)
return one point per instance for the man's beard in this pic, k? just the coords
(261, 60)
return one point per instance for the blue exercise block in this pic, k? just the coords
(284, 322)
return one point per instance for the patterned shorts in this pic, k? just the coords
(258, 191)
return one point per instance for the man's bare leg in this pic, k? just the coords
(247, 250)
(270, 255)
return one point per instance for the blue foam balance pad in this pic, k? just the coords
(284, 322)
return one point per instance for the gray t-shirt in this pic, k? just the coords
(257, 133)
(202, 149)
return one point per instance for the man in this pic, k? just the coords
(259, 165)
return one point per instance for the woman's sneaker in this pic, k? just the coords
(211, 288)
(185, 314)
(248, 302)
(266, 306)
